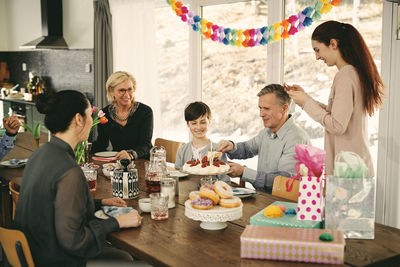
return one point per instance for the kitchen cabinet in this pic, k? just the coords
(6, 108)
(33, 116)
(24, 109)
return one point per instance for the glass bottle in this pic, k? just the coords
(156, 170)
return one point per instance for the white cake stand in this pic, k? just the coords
(215, 218)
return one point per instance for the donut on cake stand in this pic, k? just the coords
(215, 218)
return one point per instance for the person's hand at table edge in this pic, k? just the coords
(115, 201)
(131, 219)
(11, 124)
(123, 154)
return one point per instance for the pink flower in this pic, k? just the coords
(94, 108)
(101, 113)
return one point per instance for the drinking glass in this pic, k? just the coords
(207, 180)
(168, 187)
(159, 206)
(91, 178)
(152, 178)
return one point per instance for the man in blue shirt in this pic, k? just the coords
(11, 124)
(274, 145)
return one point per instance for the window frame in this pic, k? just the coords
(274, 68)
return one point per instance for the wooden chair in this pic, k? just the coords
(15, 195)
(16, 248)
(170, 146)
(279, 188)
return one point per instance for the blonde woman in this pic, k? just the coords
(130, 123)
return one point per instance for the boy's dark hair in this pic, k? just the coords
(195, 110)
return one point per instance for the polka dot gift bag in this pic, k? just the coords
(310, 166)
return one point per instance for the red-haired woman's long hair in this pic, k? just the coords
(355, 52)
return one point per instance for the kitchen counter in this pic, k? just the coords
(17, 100)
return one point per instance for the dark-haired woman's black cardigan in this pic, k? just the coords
(56, 210)
(135, 135)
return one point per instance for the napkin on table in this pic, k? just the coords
(115, 211)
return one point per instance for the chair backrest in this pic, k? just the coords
(15, 195)
(170, 146)
(16, 247)
(279, 188)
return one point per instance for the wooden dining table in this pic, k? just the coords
(180, 241)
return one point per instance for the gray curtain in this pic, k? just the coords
(103, 50)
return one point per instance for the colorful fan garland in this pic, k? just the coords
(254, 37)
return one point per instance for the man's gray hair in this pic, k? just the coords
(279, 92)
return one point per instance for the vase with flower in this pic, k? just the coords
(35, 132)
(82, 148)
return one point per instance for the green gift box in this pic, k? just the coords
(287, 220)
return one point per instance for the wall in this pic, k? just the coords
(3, 28)
(20, 22)
(60, 69)
(388, 187)
(78, 23)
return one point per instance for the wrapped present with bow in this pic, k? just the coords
(292, 244)
(350, 197)
(309, 167)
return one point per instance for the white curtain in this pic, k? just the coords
(134, 44)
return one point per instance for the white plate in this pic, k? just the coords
(242, 192)
(207, 174)
(7, 164)
(175, 173)
(106, 154)
(101, 215)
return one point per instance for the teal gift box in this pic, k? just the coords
(287, 220)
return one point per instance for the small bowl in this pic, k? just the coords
(90, 166)
(108, 168)
(144, 204)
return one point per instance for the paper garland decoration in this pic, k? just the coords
(254, 37)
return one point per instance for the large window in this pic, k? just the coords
(230, 77)
(173, 78)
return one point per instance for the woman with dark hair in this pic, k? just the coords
(55, 208)
(357, 90)
(130, 123)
